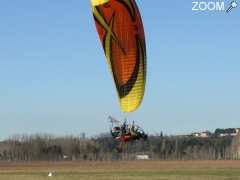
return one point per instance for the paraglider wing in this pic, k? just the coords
(121, 32)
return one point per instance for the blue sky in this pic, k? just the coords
(54, 79)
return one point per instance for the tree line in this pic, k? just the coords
(51, 148)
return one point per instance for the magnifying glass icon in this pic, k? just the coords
(233, 5)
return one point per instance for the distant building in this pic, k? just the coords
(142, 157)
(204, 134)
(227, 132)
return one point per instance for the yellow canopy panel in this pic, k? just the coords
(98, 2)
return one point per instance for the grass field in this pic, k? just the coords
(123, 170)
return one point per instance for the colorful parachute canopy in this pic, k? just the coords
(120, 29)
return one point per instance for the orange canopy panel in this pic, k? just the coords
(121, 32)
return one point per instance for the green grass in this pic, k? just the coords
(219, 170)
(168, 175)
